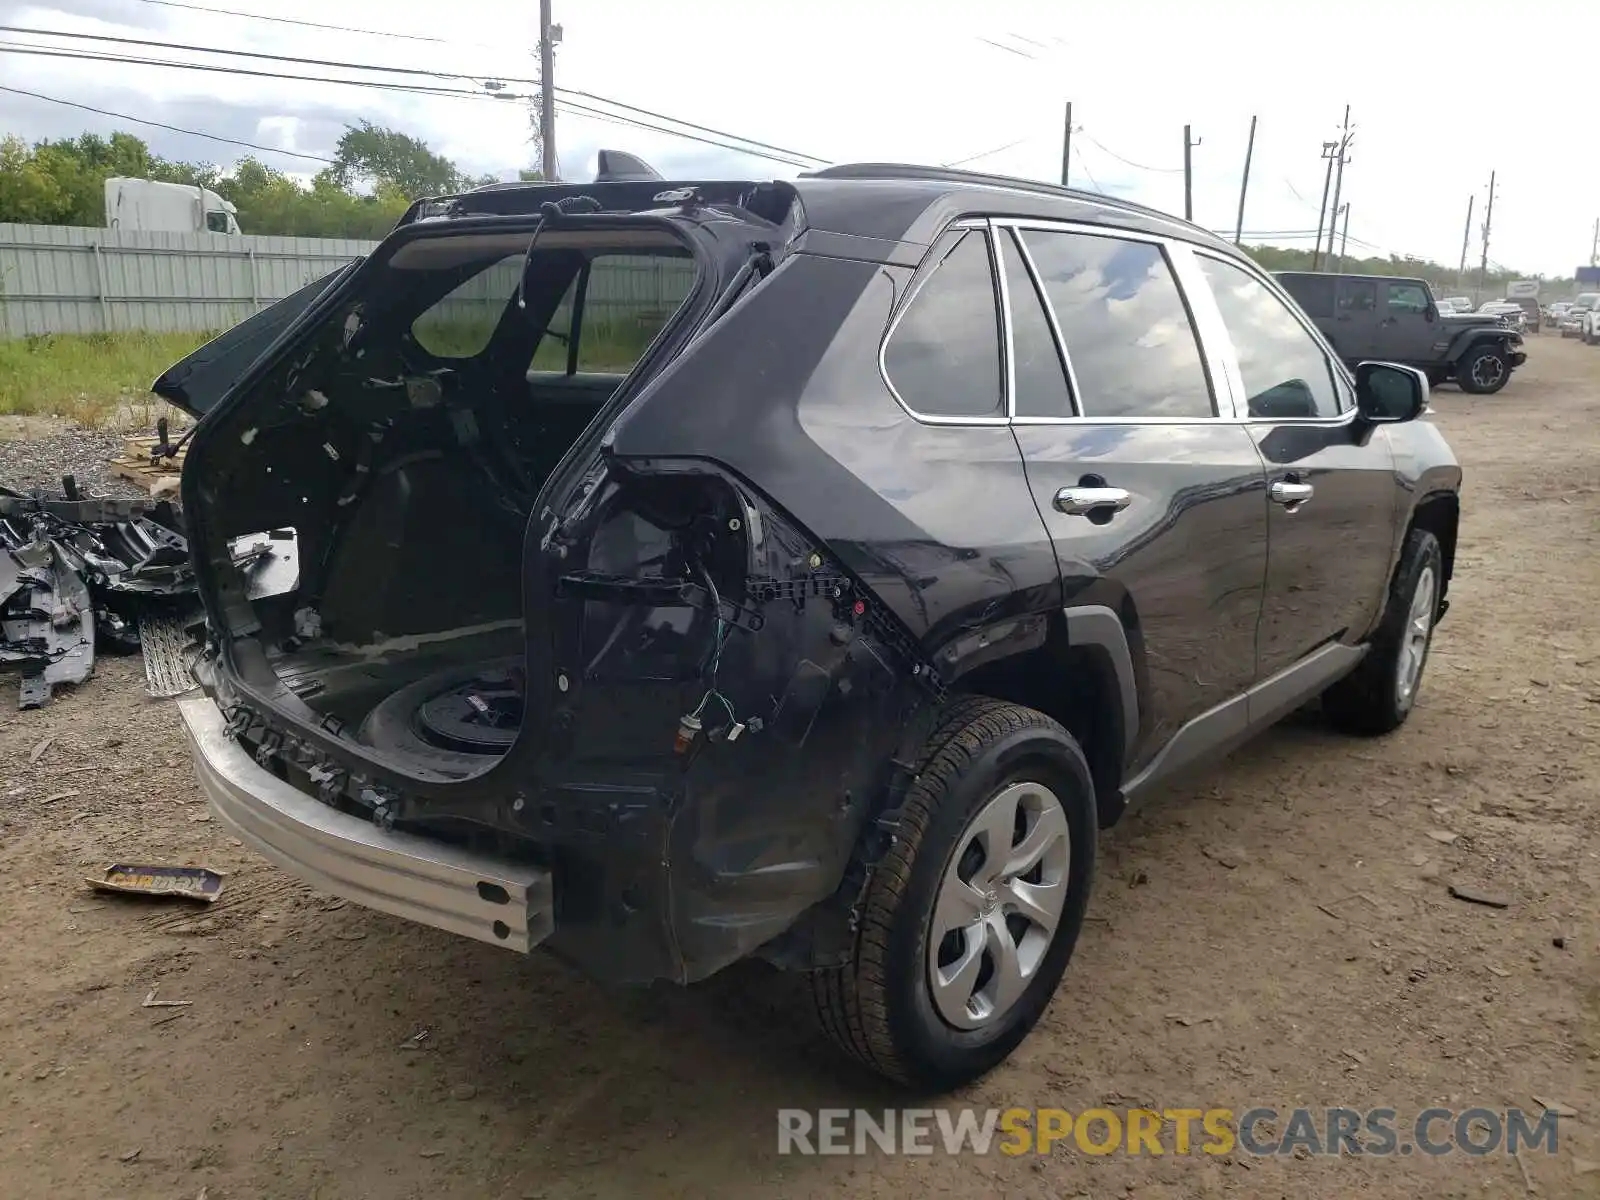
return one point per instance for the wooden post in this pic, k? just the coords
(100, 280)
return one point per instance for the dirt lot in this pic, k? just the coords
(1277, 931)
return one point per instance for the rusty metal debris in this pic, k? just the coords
(81, 574)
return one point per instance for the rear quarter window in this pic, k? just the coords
(943, 356)
(1313, 293)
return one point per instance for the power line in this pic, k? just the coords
(414, 71)
(1129, 161)
(960, 162)
(229, 12)
(51, 52)
(1088, 174)
(215, 137)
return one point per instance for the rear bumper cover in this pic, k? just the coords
(503, 903)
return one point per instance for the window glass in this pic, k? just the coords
(1314, 293)
(1041, 379)
(460, 324)
(627, 300)
(1125, 326)
(217, 222)
(1408, 297)
(944, 355)
(1357, 295)
(1286, 374)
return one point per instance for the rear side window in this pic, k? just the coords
(624, 301)
(1125, 326)
(1314, 293)
(460, 324)
(1407, 297)
(1357, 295)
(943, 357)
(1286, 374)
(612, 310)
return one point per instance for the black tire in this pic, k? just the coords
(879, 1008)
(1487, 362)
(1370, 700)
(391, 725)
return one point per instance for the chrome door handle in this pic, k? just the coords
(1081, 501)
(1284, 492)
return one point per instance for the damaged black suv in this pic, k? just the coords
(667, 573)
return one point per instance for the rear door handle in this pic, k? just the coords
(1081, 501)
(1283, 491)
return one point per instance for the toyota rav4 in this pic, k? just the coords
(668, 573)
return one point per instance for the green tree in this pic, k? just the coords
(29, 192)
(372, 156)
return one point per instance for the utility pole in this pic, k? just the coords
(1345, 138)
(1488, 221)
(1594, 246)
(1322, 210)
(1066, 147)
(1188, 173)
(1466, 237)
(1244, 183)
(1344, 239)
(547, 94)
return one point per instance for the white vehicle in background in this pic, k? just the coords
(168, 207)
(1456, 304)
(1576, 321)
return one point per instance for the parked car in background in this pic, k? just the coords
(1532, 316)
(1381, 317)
(1507, 311)
(650, 656)
(1456, 304)
(1556, 310)
(1572, 320)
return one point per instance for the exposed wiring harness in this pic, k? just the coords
(690, 725)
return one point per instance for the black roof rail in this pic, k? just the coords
(914, 172)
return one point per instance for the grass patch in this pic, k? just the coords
(91, 378)
(100, 379)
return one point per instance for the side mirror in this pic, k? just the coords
(1431, 312)
(1387, 393)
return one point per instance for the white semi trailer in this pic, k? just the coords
(171, 207)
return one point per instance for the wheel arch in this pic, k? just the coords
(1439, 513)
(1471, 339)
(1083, 673)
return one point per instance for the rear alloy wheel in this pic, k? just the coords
(1378, 696)
(969, 919)
(1483, 370)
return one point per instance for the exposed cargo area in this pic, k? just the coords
(373, 491)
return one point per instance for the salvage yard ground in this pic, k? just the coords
(1276, 931)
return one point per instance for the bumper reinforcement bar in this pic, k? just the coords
(506, 904)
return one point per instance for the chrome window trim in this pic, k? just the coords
(1338, 372)
(1217, 381)
(1008, 360)
(967, 225)
(1028, 265)
(1216, 344)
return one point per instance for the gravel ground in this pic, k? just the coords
(1276, 930)
(37, 452)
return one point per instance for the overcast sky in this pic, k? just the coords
(1432, 84)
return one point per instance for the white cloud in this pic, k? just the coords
(1435, 88)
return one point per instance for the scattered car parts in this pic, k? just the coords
(79, 574)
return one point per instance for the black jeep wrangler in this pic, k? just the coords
(666, 573)
(1397, 320)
